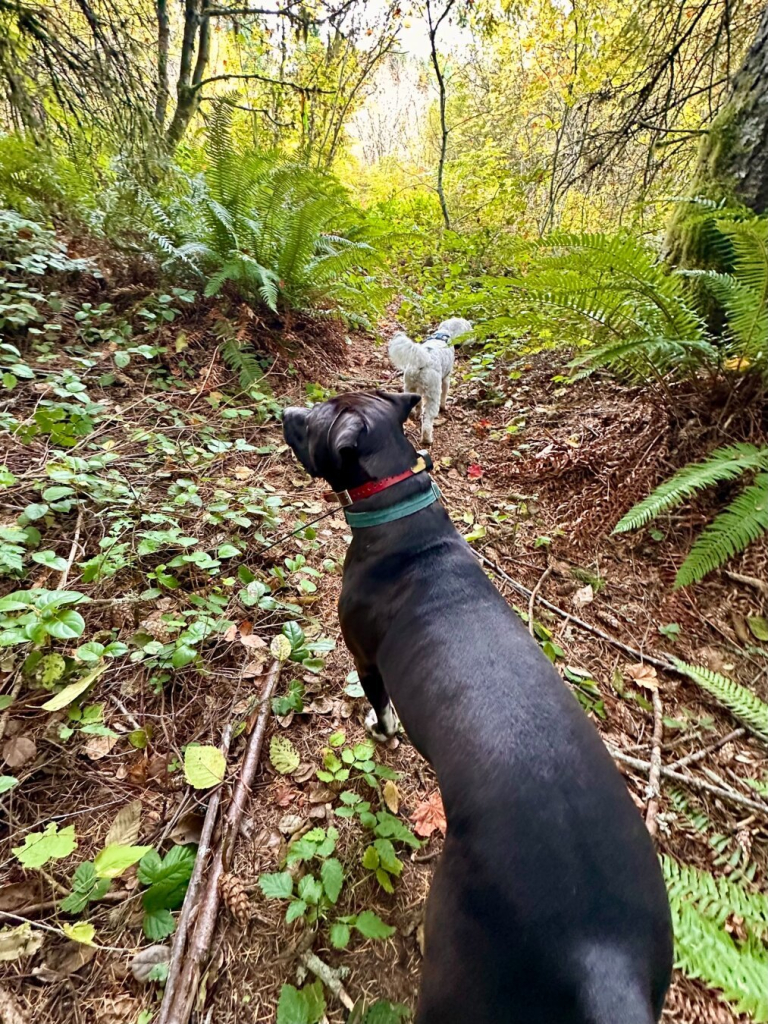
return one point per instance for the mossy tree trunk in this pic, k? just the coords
(733, 159)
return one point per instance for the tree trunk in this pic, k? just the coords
(734, 154)
(444, 129)
(163, 45)
(733, 158)
(195, 51)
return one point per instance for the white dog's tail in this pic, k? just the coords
(406, 354)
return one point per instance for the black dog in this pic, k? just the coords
(548, 905)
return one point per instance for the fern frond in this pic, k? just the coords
(241, 359)
(715, 898)
(727, 463)
(741, 702)
(705, 951)
(744, 521)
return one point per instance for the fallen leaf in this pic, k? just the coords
(320, 706)
(583, 596)
(20, 941)
(81, 931)
(18, 895)
(73, 690)
(474, 471)
(147, 959)
(284, 796)
(252, 641)
(125, 828)
(391, 796)
(643, 675)
(290, 824)
(204, 766)
(243, 472)
(187, 829)
(254, 668)
(429, 816)
(99, 746)
(283, 755)
(320, 794)
(758, 626)
(304, 772)
(18, 750)
(231, 633)
(64, 960)
(280, 648)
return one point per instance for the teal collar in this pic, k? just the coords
(398, 511)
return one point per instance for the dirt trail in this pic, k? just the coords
(519, 465)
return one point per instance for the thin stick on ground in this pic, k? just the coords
(532, 599)
(15, 691)
(186, 988)
(329, 977)
(690, 780)
(654, 774)
(190, 900)
(72, 550)
(699, 755)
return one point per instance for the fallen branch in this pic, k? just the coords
(534, 595)
(182, 998)
(654, 774)
(329, 977)
(750, 581)
(699, 755)
(190, 900)
(689, 780)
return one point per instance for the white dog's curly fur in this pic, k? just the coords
(427, 368)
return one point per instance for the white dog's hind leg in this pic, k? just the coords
(444, 393)
(430, 407)
(381, 727)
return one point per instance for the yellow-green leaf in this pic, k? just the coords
(113, 860)
(280, 648)
(283, 755)
(73, 691)
(204, 766)
(80, 932)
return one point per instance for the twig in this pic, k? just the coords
(654, 775)
(689, 780)
(72, 550)
(186, 987)
(201, 389)
(699, 755)
(329, 977)
(751, 581)
(534, 595)
(190, 900)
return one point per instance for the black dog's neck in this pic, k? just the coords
(408, 488)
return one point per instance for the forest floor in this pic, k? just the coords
(536, 473)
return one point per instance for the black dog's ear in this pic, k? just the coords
(345, 433)
(403, 403)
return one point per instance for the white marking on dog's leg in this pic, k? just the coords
(444, 393)
(381, 727)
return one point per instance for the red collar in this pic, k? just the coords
(345, 498)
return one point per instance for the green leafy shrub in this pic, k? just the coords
(268, 230)
(741, 523)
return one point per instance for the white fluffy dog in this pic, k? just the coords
(427, 368)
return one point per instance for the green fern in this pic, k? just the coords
(741, 702)
(242, 360)
(701, 906)
(744, 521)
(730, 853)
(639, 313)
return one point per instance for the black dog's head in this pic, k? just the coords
(353, 438)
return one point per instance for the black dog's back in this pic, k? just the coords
(548, 906)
